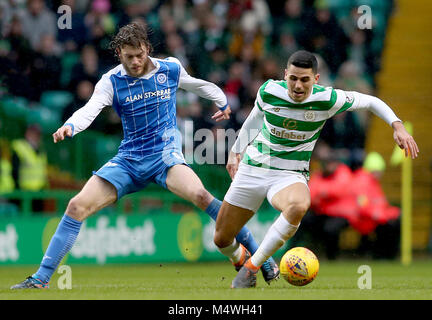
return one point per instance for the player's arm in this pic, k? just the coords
(206, 90)
(248, 132)
(83, 117)
(402, 138)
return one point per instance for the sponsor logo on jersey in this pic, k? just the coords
(290, 124)
(287, 135)
(161, 94)
(309, 115)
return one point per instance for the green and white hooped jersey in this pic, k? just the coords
(291, 129)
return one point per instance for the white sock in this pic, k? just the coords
(233, 251)
(280, 231)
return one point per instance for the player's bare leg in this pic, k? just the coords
(96, 194)
(229, 222)
(293, 201)
(184, 182)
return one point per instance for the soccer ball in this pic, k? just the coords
(299, 266)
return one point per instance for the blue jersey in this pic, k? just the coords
(147, 108)
(146, 105)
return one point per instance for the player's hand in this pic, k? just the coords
(233, 163)
(62, 133)
(404, 140)
(222, 115)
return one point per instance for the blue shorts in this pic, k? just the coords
(130, 175)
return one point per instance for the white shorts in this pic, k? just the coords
(251, 185)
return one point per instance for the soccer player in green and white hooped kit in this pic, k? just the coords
(277, 140)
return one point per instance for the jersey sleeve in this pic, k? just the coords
(250, 128)
(352, 100)
(202, 88)
(101, 97)
(344, 101)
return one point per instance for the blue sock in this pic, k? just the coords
(244, 236)
(60, 244)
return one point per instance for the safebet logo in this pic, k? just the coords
(119, 240)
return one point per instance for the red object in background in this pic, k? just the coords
(372, 203)
(356, 196)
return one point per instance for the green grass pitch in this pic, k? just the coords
(211, 281)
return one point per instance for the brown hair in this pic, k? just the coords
(133, 34)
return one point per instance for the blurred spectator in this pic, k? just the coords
(252, 29)
(325, 78)
(342, 197)
(73, 39)
(101, 26)
(360, 48)
(38, 21)
(29, 161)
(7, 183)
(21, 52)
(269, 69)
(86, 69)
(107, 121)
(286, 46)
(82, 5)
(218, 67)
(180, 12)
(345, 134)
(322, 34)
(29, 164)
(234, 87)
(252, 15)
(290, 21)
(176, 48)
(130, 10)
(83, 92)
(16, 56)
(211, 35)
(46, 67)
(328, 215)
(350, 78)
(374, 210)
(375, 164)
(9, 9)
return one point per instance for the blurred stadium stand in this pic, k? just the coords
(236, 44)
(405, 82)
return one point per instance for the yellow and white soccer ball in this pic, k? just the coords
(299, 266)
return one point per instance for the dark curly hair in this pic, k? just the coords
(133, 34)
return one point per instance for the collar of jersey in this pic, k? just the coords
(148, 75)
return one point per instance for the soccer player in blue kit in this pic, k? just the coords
(142, 90)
